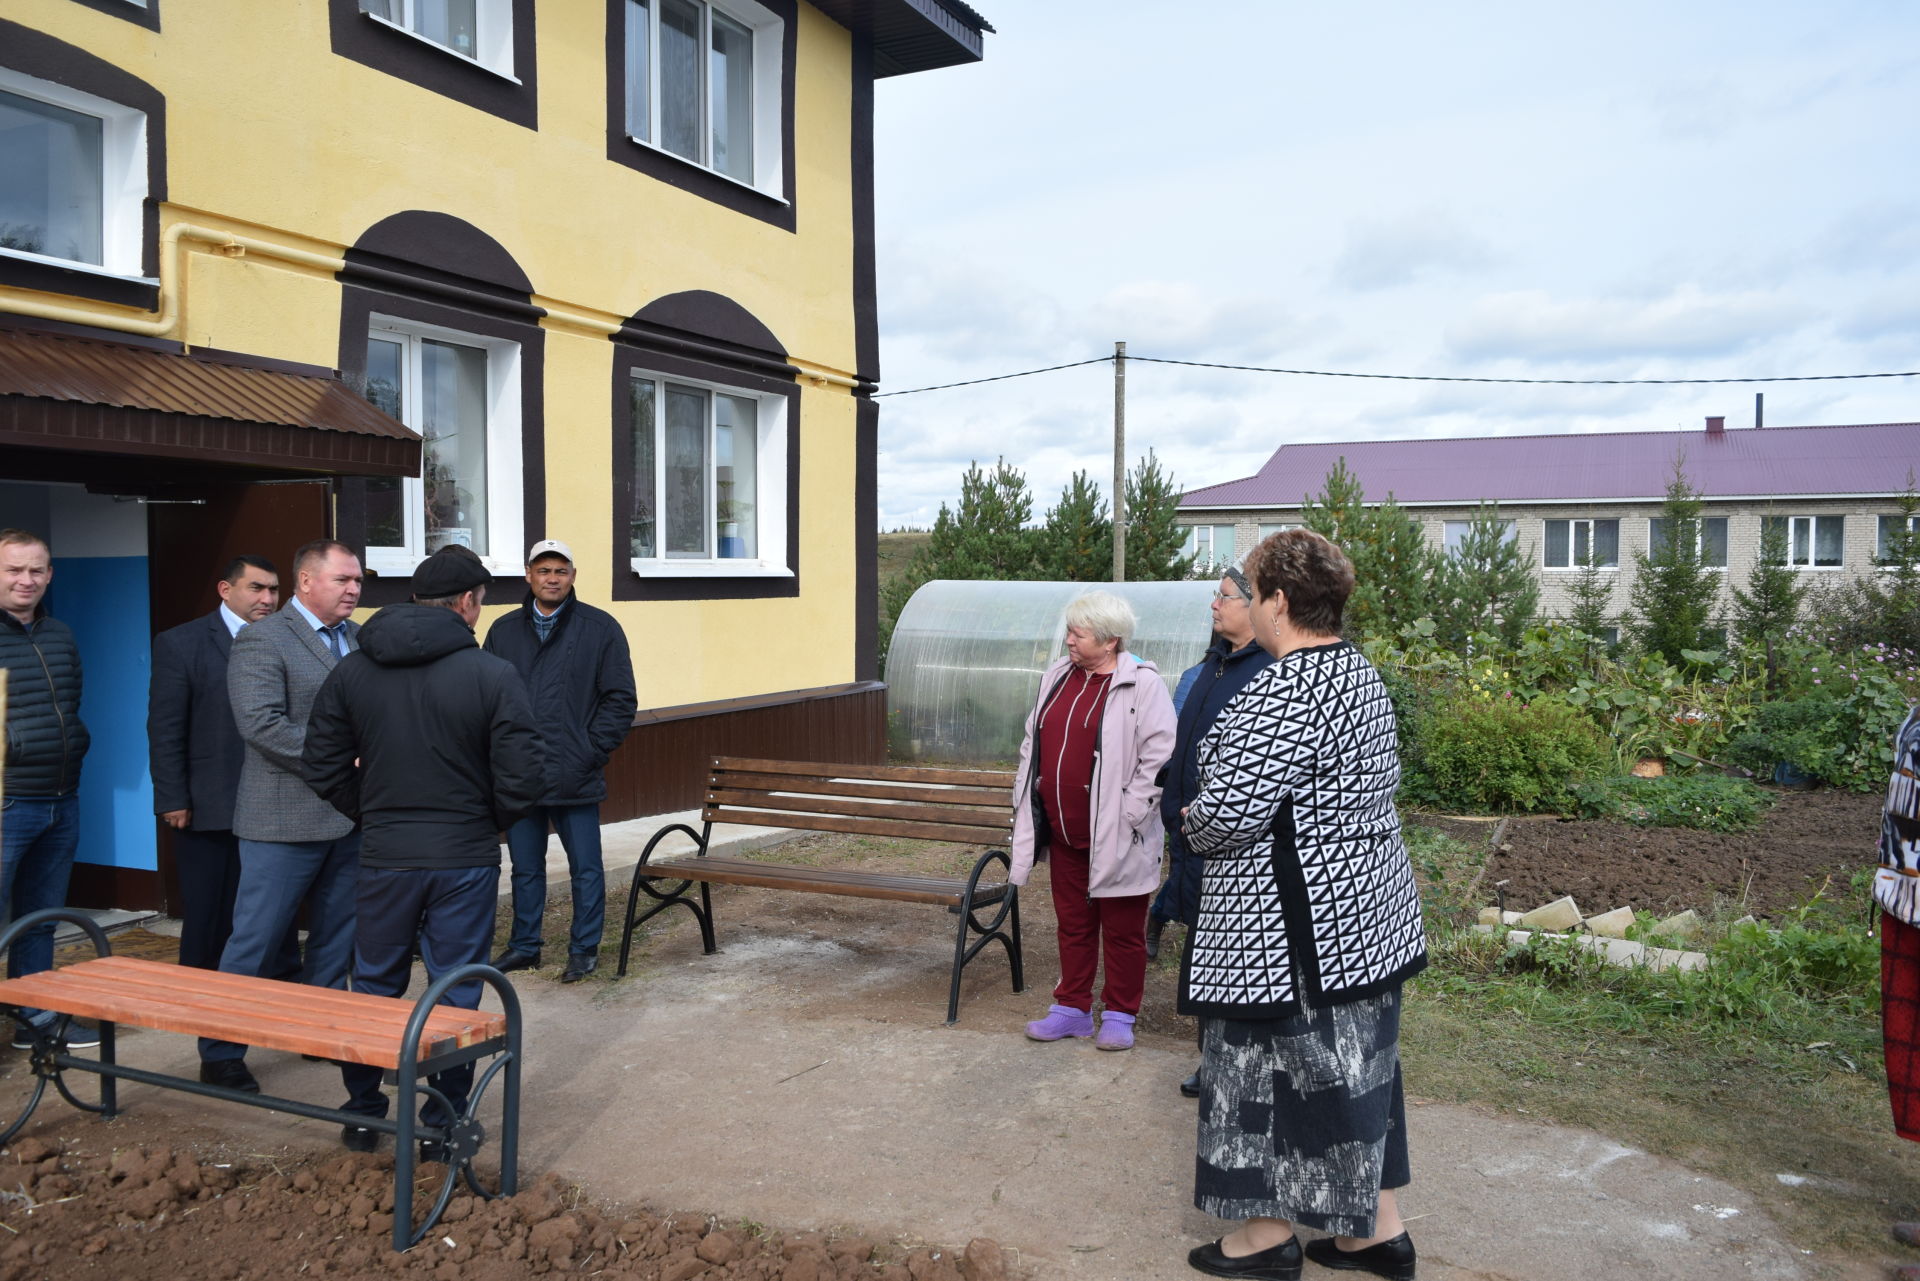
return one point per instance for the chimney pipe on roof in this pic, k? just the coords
(1716, 425)
(1759, 410)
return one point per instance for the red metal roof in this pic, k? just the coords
(1868, 459)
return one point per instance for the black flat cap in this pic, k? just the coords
(448, 572)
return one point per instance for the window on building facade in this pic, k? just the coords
(709, 483)
(1813, 542)
(1710, 539)
(462, 394)
(1456, 531)
(1891, 527)
(73, 176)
(1209, 544)
(703, 83)
(1267, 531)
(1570, 544)
(478, 30)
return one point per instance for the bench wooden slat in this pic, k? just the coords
(363, 1029)
(986, 797)
(906, 811)
(893, 773)
(823, 880)
(952, 832)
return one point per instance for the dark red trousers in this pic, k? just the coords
(1899, 1020)
(1091, 927)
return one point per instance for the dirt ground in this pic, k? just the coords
(1805, 839)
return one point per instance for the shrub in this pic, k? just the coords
(1710, 802)
(1499, 753)
(1807, 733)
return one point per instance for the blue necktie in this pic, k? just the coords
(337, 639)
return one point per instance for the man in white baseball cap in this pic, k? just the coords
(579, 674)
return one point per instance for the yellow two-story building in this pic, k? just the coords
(418, 272)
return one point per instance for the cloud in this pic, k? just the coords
(1381, 253)
(1530, 325)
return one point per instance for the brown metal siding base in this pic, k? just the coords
(664, 764)
(130, 888)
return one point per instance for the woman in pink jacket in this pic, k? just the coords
(1086, 801)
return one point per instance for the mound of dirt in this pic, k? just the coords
(76, 1209)
(1806, 841)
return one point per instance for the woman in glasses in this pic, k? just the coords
(1309, 924)
(1204, 691)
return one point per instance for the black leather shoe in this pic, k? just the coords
(1280, 1263)
(579, 965)
(1190, 1088)
(509, 961)
(1155, 924)
(1392, 1258)
(231, 1073)
(358, 1138)
(433, 1152)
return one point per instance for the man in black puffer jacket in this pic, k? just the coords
(45, 745)
(580, 678)
(430, 746)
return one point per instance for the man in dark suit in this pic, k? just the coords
(293, 845)
(195, 754)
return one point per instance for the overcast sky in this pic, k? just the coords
(1631, 190)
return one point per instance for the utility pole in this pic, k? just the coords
(1119, 462)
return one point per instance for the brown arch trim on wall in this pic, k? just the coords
(706, 336)
(685, 175)
(37, 54)
(441, 270)
(370, 43)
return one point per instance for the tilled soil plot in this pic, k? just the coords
(115, 1202)
(1806, 841)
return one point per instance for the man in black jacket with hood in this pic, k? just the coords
(430, 746)
(579, 675)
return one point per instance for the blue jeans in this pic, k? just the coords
(579, 830)
(37, 843)
(274, 877)
(450, 912)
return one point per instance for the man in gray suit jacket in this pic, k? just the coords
(293, 845)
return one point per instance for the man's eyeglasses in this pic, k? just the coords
(1228, 596)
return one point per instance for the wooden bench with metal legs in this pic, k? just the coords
(410, 1039)
(968, 807)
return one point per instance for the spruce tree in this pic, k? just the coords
(1486, 585)
(1674, 591)
(1590, 596)
(1076, 539)
(1393, 567)
(1768, 606)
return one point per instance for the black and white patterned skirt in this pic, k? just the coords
(1301, 1118)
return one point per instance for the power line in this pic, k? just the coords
(1417, 378)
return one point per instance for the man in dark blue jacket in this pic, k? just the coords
(429, 745)
(579, 675)
(45, 744)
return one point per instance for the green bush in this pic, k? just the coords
(1711, 802)
(1807, 733)
(1499, 753)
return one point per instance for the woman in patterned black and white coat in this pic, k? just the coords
(1309, 923)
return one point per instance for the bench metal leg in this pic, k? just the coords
(49, 1058)
(643, 881)
(1005, 926)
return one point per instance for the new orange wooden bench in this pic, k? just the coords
(968, 807)
(411, 1039)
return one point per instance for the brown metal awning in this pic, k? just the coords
(70, 395)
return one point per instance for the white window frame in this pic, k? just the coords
(1510, 534)
(1880, 534)
(1813, 541)
(1191, 546)
(506, 502)
(770, 486)
(492, 36)
(123, 179)
(769, 177)
(1268, 531)
(1699, 538)
(1573, 567)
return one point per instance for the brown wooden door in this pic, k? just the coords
(188, 545)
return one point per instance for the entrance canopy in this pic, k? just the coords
(122, 415)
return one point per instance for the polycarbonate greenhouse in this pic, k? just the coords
(964, 667)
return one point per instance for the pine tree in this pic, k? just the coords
(1674, 591)
(1771, 602)
(1076, 539)
(1393, 567)
(1486, 585)
(1591, 597)
(1154, 538)
(1882, 607)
